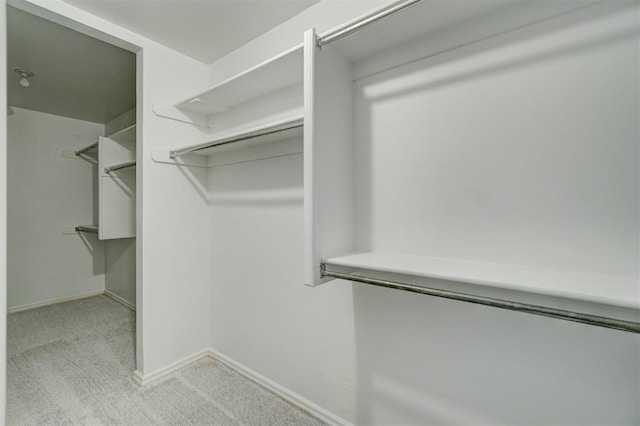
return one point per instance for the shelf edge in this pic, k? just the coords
(242, 74)
(487, 283)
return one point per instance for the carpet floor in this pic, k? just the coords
(72, 364)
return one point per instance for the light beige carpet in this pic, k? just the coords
(72, 364)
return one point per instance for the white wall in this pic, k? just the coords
(172, 314)
(378, 356)
(47, 192)
(173, 249)
(526, 134)
(261, 314)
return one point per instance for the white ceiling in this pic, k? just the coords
(81, 77)
(75, 75)
(203, 29)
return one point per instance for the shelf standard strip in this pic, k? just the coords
(599, 321)
(281, 126)
(119, 166)
(361, 23)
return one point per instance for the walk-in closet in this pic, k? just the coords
(71, 178)
(385, 212)
(72, 158)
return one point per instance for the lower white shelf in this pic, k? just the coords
(288, 128)
(603, 289)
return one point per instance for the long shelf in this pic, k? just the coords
(277, 73)
(274, 83)
(534, 309)
(575, 285)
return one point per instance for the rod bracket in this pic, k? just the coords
(323, 270)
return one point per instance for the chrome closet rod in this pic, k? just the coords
(281, 127)
(119, 166)
(84, 228)
(616, 324)
(369, 19)
(87, 148)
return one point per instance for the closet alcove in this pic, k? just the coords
(71, 166)
(438, 154)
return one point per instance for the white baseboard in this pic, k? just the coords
(120, 300)
(145, 379)
(284, 393)
(25, 307)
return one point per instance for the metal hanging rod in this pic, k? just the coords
(87, 228)
(87, 148)
(238, 137)
(119, 166)
(369, 19)
(616, 324)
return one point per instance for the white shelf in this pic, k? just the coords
(272, 75)
(126, 135)
(284, 129)
(265, 91)
(575, 285)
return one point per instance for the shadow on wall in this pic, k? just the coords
(197, 177)
(92, 243)
(461, 64)
(495, 147)
(264, 182)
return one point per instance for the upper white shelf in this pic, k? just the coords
(128, 134)
(274, 74)
(279, 79)
(597, 288)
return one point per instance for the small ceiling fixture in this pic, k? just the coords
(24, 77)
